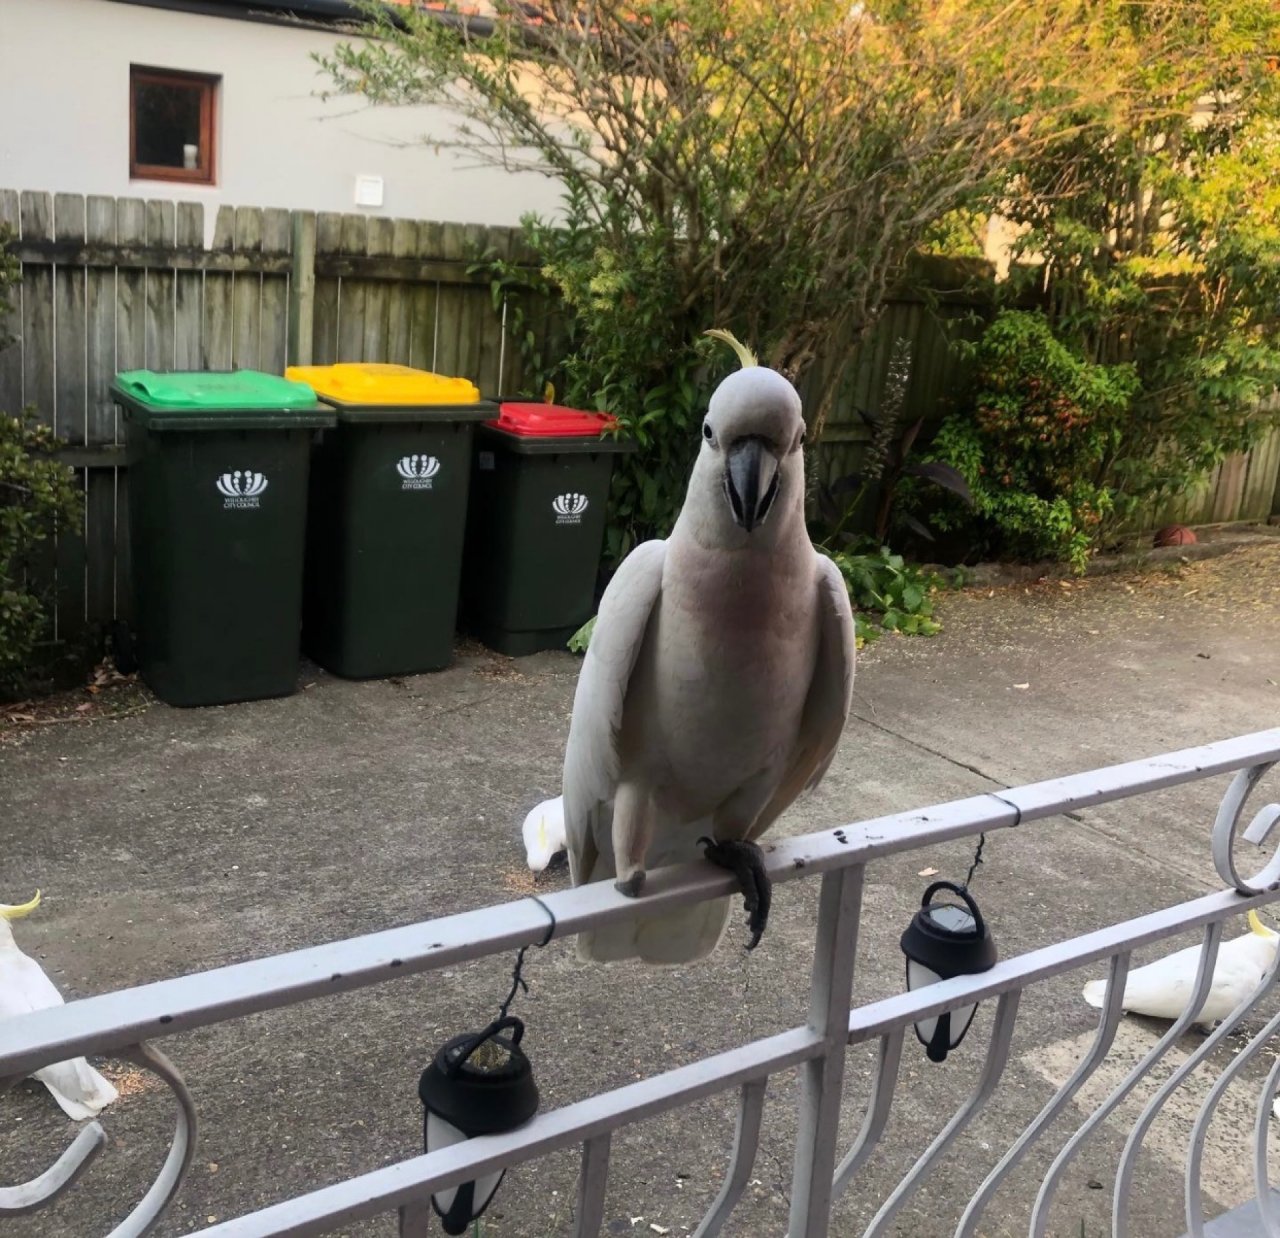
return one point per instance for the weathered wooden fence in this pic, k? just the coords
(1245, 486)
(114, 284)
(945, 300)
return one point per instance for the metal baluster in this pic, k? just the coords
(1204, 978)
(993, 1068)
(877, 1112)
(42, 1190)
(1133, 1145)
(1112, 1011)
(593, 1180)
(415, 1219)
(1261, 1133)
(822, 1078)
(746, 1140)
(1195, 1146)
(151, 1207)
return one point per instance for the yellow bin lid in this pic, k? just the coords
(376, 385)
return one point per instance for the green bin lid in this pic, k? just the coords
(215, 389)
(215, 399)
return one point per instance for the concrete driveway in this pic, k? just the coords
(172, 841)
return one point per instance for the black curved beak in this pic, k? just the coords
(751, 481)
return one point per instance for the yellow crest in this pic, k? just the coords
(745, 355)
(11, 911)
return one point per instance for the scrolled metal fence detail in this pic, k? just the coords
(121, 1024)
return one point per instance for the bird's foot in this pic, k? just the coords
(632, 886)
(745, 861)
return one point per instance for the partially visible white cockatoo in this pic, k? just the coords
(1163, 988)
(717, 681)
(544, 833)
(79, 1089)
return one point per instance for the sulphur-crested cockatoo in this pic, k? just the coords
(79, 1089)
(717, 681)
(544, 833)
(1163, 988)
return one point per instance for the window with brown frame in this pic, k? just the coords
(172, 126)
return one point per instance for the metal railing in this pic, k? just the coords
(124, 1023)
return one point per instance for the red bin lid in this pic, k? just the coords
(551, 421)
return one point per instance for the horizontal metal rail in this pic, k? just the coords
(121, 1022)
(147, 1012)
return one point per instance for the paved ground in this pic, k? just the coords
(171, 841)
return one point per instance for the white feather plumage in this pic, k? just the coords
(543, 832)
(1163, 988)
(79, 1089)
(717, 682)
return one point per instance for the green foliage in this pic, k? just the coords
(888, 594)
(767, 169)
(579, 641)
(623, 351)
(1159, 247)
(1034, 443)
(37, 495)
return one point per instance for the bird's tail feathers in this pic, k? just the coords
(668, 939)
(1095, 993)
(79, 1089)
(665, 938)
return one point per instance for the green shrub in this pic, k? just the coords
(888, 594)
(1034, 444)
(37, 496)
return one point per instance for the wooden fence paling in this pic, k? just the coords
(302, 288)
(115, 284)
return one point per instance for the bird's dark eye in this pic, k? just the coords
(706, 431)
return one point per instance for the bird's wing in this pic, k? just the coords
(24, 986)
(591, 760)
(826, 708)
(1159, 989)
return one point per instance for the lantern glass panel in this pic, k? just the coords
(918, 975)
(441, 1134)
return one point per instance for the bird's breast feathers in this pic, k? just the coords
(730, 659)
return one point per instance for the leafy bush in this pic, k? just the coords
(888, 594)
(694, 198)
(622, 350)
(1034, 445)
(1151, 235)
(37, 495)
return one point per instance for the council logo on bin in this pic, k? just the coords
(569, 507)
(417, 471)
(241, 488)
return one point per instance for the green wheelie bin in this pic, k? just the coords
(387, 517)
(218, 468)
(536, 523)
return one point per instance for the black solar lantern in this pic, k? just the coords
(946, 939)
(480, 1083)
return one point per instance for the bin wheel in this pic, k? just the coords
(124, 649)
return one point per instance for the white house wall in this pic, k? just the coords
(64, 118)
